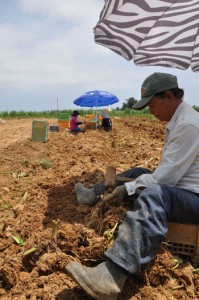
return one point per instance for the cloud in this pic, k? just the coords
(45, 53)
(54, 10)
(48, 51)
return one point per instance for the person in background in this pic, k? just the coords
(106, 121)
(74, 124)
(168, 194)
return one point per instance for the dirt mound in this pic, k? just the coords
(42, 228)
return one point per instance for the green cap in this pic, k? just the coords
(155, 83)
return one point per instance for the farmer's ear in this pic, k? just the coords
(170, 96)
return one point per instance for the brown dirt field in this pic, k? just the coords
(37, 194)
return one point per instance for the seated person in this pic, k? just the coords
(74, 123)
(168, 194)
(106, 121)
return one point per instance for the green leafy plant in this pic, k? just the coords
(45, 164)
(19, 240)
(6, 205)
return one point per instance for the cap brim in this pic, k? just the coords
(142, 103)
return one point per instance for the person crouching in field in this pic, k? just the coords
(74, 124)
(106, 121)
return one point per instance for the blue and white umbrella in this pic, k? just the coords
(96, 99)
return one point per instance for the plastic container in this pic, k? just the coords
(64, 124)
(54, 128)
(40, 130)
(63, 117)
(184, 239)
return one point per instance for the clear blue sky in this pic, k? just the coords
(48, 52)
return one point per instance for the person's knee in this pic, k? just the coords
(153, 194)
(157, 195)
(142, 170)
(154, 189)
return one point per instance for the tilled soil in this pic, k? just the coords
(42, 228)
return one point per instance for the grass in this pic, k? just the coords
(67, 113)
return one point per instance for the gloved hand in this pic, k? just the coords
(119, 192)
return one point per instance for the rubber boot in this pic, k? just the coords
(85, 196)
(103, 282)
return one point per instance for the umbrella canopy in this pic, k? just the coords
(95, 99)
(152, 32)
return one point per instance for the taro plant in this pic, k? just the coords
(45, 163)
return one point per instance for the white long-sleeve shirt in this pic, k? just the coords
(104, 114)
(179, 165)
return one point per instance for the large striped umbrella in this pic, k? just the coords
(152, 32)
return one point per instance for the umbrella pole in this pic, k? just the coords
(96, 112)
(96, 117)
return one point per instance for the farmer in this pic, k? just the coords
(106, 121)
(170, 193)
(74, 123)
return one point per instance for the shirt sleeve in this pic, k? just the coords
(179, 153)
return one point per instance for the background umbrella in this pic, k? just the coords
(152, 32)
(96, 99)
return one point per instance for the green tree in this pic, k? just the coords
(196, 108)
(129, 103)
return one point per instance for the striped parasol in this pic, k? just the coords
(152, 32)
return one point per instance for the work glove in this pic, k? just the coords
(119, 192)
